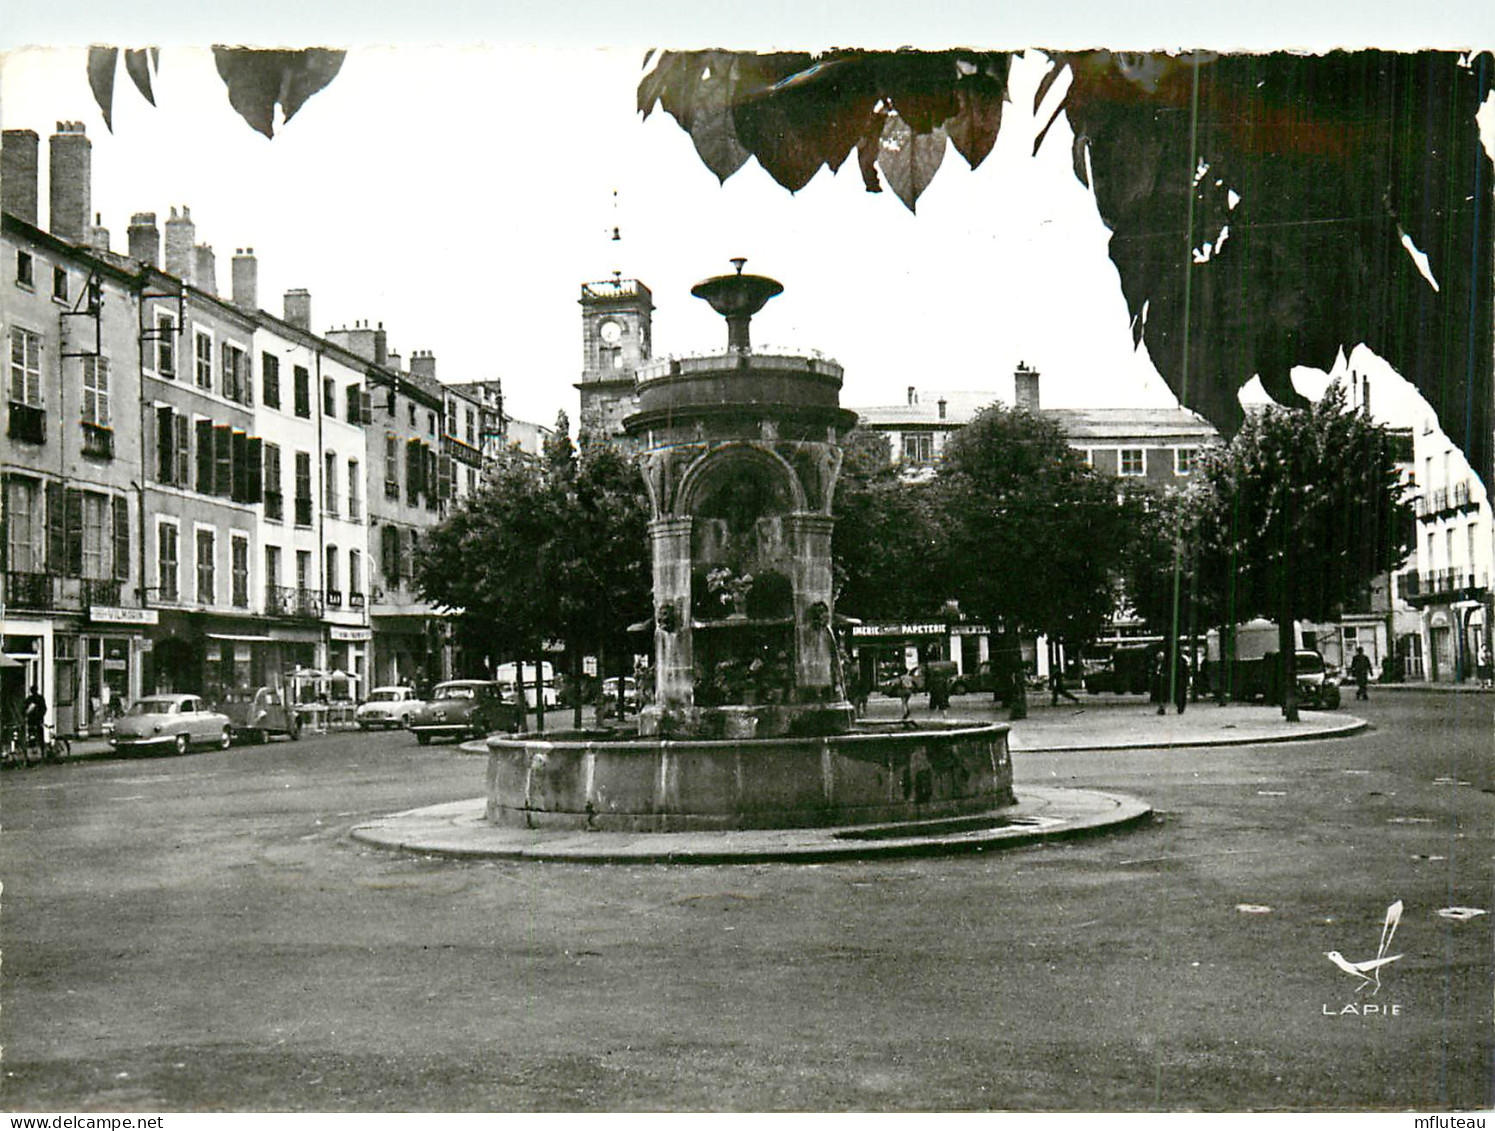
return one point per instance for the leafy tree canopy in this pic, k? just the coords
(1035, 534)
(1267, 210)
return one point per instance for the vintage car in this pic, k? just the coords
(256, 715)
(465, 708)
(171, 721)
(387, 707)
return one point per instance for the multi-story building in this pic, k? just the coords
(403, 501)
(616, 335)
(71, 457)
(1449, 584)
(1159, 446)
(202, 478)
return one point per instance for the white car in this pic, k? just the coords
(387, 707)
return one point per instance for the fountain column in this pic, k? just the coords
(674, 662)
(810, 537)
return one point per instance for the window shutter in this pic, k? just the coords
(366, 406)
(121, 537)
(223, 459)
(254, 451)
(165, 445)
(183, 451)
(74, 533)
(414, 464)
(444, 479)
(205, 456)
(407, 550)
(351, 396)
(392, 554)
(240, 469)
(56, 530)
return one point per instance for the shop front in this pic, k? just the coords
(348, 661)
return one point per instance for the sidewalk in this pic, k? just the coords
(1132, 723)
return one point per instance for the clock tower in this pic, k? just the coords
(616, 329)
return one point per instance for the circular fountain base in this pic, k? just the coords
(872, 775)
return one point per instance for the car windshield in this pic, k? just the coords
(152, 707)
(455, 691)
(384, 697)
(1310, 662)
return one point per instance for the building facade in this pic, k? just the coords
(1449, 582)
(74, 621)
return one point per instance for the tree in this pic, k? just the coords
(1261, 205)
(1304, 508)
(547, 549)
(888, 545)
(1035, 534)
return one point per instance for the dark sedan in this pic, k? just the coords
(464, 708)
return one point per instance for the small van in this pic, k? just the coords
(506, 675)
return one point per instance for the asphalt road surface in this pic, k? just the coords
(199, 933)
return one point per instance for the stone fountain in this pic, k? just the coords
(750, 727)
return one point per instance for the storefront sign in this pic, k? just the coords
(897, 629)
(969, 630)
(350, 634)
(103, 614)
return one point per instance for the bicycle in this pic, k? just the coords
(17, 745)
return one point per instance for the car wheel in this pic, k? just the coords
(182, 744)
(226, 739)
(404, 722)
(957, 688)
(423, 739)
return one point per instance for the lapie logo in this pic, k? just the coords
(1368, 972)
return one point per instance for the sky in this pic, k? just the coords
(461, 196)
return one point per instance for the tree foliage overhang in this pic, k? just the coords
(1267, 210)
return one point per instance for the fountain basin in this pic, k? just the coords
(875, 774)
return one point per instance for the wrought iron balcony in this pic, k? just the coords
(274, 506)
(287, 601)
(28, 423)
(1441, 586)
(334, 598)
(356, 600)
(303, 511)
(98, 441)
(100, 592)
(28, 590)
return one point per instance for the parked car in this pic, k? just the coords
(630, 693)
(1318, 681)
(465, 708)
(257, 715)
(506, 674)
(176, 721)
(387, 707)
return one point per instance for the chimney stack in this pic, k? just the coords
(911, 397)
(245, 279)
(1025, 388)
(71, 183)
(394, 362)
(18, 174)
(205, 273)
(298, 308)
(181, 237)
(98, 235)
(381, 346)
(423, 364)
(145, 239)
(942, 408)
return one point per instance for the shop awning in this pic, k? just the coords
(238, 638)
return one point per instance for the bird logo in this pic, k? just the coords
(1369, 971)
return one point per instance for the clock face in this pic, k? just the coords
(611, 333)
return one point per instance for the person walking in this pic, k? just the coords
(1160, 680)
(1057, 688)
(1360, 672)
(1181, 674)
(905, 692)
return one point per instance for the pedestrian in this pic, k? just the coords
(1160, 680)
(1360, 672)
(937, 679)
(905, 691)
(1181, 672)
(35, 710)
(1486, 667)
(1057, 688)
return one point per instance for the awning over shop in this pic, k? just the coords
(239, 638)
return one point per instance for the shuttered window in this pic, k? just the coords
(167, 568)
(204, 429)
(121, 507)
